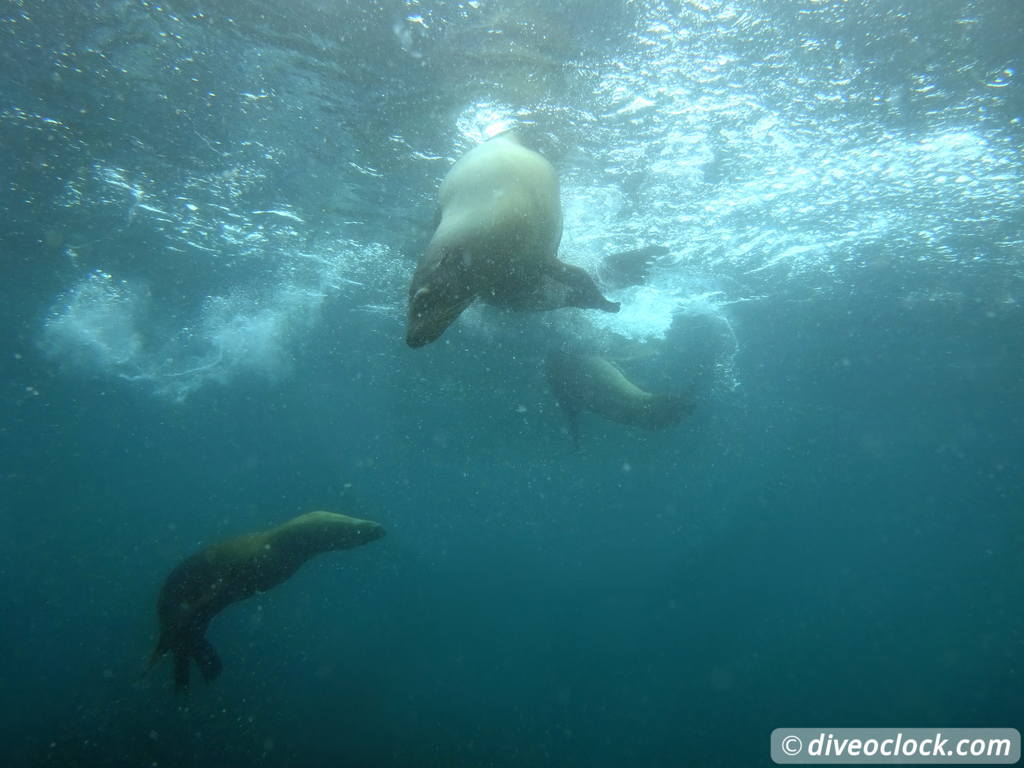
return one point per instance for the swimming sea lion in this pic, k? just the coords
(592, 383)
(497, 237)
(621, 270)
(204, 584)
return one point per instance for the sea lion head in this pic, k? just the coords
(441, 289)
(330, 530)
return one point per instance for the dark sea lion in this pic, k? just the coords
(204, 584)
(497, 237)
(621, 270)
(592, 383)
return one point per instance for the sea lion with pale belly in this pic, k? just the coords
(204, 584)
(497, 238)
(592, 383)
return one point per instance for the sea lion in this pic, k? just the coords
(592, 383)
(498, 231)
(621, 270)
(202, 585)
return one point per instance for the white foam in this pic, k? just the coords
(95, 325)
(100, 327)
(646, 313)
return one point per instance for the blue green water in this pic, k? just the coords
(212, 211)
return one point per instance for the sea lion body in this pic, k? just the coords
(592, 383)
(202, 585)
(497, 237)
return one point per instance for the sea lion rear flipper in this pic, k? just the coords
(572, 419)
(583, 291)
(181, 662)
(209, 662)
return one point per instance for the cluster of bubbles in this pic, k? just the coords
(104, 326)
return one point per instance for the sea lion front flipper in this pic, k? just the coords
(583, 291)
(207, 659)
(572, 418)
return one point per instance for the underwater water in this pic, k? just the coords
(212, 212)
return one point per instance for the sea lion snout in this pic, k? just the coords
(417, 331)
(432, 308)
(425, 325)
(370, 531)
